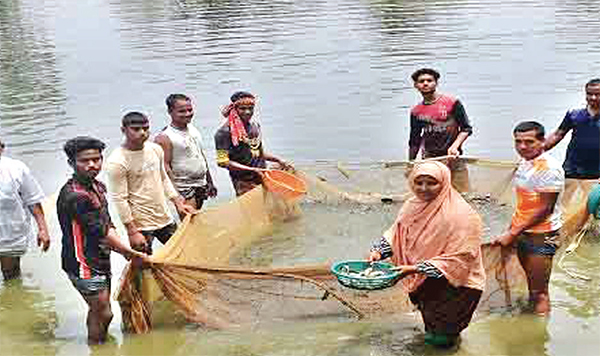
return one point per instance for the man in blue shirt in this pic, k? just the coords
(583, 153)
(582, 163)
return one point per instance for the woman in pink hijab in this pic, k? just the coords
(436, 239)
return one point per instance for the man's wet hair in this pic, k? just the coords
(82, 143)
(595, 81)
(171, 99)
(134, 118)
(415, 76)
(240, 95)
(527, 126)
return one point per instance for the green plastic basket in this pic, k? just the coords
(341, 269)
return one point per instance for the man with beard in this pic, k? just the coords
(88, 234)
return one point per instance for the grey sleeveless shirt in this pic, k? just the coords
(188, 161)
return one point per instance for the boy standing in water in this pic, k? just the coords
(185, 161)
(20, 195)
(239, 144)
(139, 186)
(88, 234)
(440, 125)
(535, 225)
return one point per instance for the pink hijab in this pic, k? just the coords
(445, 232)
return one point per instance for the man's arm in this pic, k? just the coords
(554, 138)
(167, 146)
(115, 244)
(43, 238)
(271, 158)
(32, 195)
(414, 142)
(93, 229)
(170, 191)
(222, 144)
(547, 203)
(118, 191)
(460, 115)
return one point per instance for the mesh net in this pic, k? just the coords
(252, 260)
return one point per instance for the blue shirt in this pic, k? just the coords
(583, 153)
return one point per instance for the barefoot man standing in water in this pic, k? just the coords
(440, 125)
(535, 225)
(185, 161)
(139, 186)
(88, 234)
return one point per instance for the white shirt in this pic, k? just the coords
(543, 174)
(18, 191)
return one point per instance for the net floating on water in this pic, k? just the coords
(193, 270)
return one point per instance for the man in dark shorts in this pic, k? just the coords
(239, 144)
(88, 234)
(538, 181)
(439, 124)
(582, 162)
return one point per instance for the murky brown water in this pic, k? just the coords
(333, 82)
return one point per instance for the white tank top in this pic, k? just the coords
(188, 161)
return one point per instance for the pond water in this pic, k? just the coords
(333, 81)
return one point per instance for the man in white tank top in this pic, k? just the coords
(185, 160)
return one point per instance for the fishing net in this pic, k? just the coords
(262, 258)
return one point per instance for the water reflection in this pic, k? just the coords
(27, 321)
(32, 98)
(333, 81)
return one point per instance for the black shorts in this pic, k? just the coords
(542, 244)
(199, 194)
(91, 286)
(163, 235)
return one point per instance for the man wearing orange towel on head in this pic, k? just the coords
(239, 144)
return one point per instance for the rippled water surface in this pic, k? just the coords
(333, 83)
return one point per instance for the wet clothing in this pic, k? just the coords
(248, 152)
(583, 158)
(199, 194)
(163, 235)
(18, 192)
(540, 175)
(91, 286)
(84, 220)
(444, 232)
(544, 244)
(242, 187)
(441, 238)
(188, 162)
(436, 126)
(445, 309)
(139, 186)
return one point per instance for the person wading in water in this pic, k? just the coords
(239, 144)
(185, 160)
(535, 225)
(439, 124)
